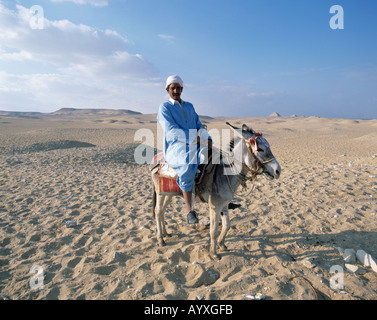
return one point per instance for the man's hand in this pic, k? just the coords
(208, 144)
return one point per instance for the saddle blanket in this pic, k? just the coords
(168, 186)
(167, 176)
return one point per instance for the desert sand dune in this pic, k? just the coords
(284, 240)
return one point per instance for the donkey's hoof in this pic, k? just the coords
(162, 243)
(223, 247)
(215, 257)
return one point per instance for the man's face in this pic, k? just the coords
(175, 91)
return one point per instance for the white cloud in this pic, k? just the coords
(96, 3)
(65, 44)
(167, 37)
(59, 41)
(15, 56)
(116, 66)
(47, 92)
(82, 66)
(261, 94)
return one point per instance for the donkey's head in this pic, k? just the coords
(257, 154)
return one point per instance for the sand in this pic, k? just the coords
(284, 239)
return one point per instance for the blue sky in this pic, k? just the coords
(237, 58)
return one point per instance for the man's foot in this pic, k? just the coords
(191, 218)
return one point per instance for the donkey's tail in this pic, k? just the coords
(154, 195)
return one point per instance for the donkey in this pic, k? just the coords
(252, 155)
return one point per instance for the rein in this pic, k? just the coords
(255, 171)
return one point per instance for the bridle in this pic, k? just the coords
(258, 165)
(252, 147)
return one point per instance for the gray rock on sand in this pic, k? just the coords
(70, 223)
(340, 249)
(349, 255)
(354, 269)
(366, 259)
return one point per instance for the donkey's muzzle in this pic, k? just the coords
(272, 170)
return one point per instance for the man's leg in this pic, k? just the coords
(187, 196)
(191, 216)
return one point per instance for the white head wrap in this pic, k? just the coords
(174, 79)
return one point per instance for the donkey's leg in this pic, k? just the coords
(214, 227)
(164, 206)
(159, 212)
(225, 228)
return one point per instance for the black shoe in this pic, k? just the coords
(191, 218)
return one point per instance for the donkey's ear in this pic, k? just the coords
(253, 144)
(246, 128)
(232, 126)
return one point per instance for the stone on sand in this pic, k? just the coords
(366, 259)
(349, 255)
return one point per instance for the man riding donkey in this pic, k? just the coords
(186, 141)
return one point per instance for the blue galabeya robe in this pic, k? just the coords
(180, 124)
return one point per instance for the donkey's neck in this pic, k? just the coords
(235, 171)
